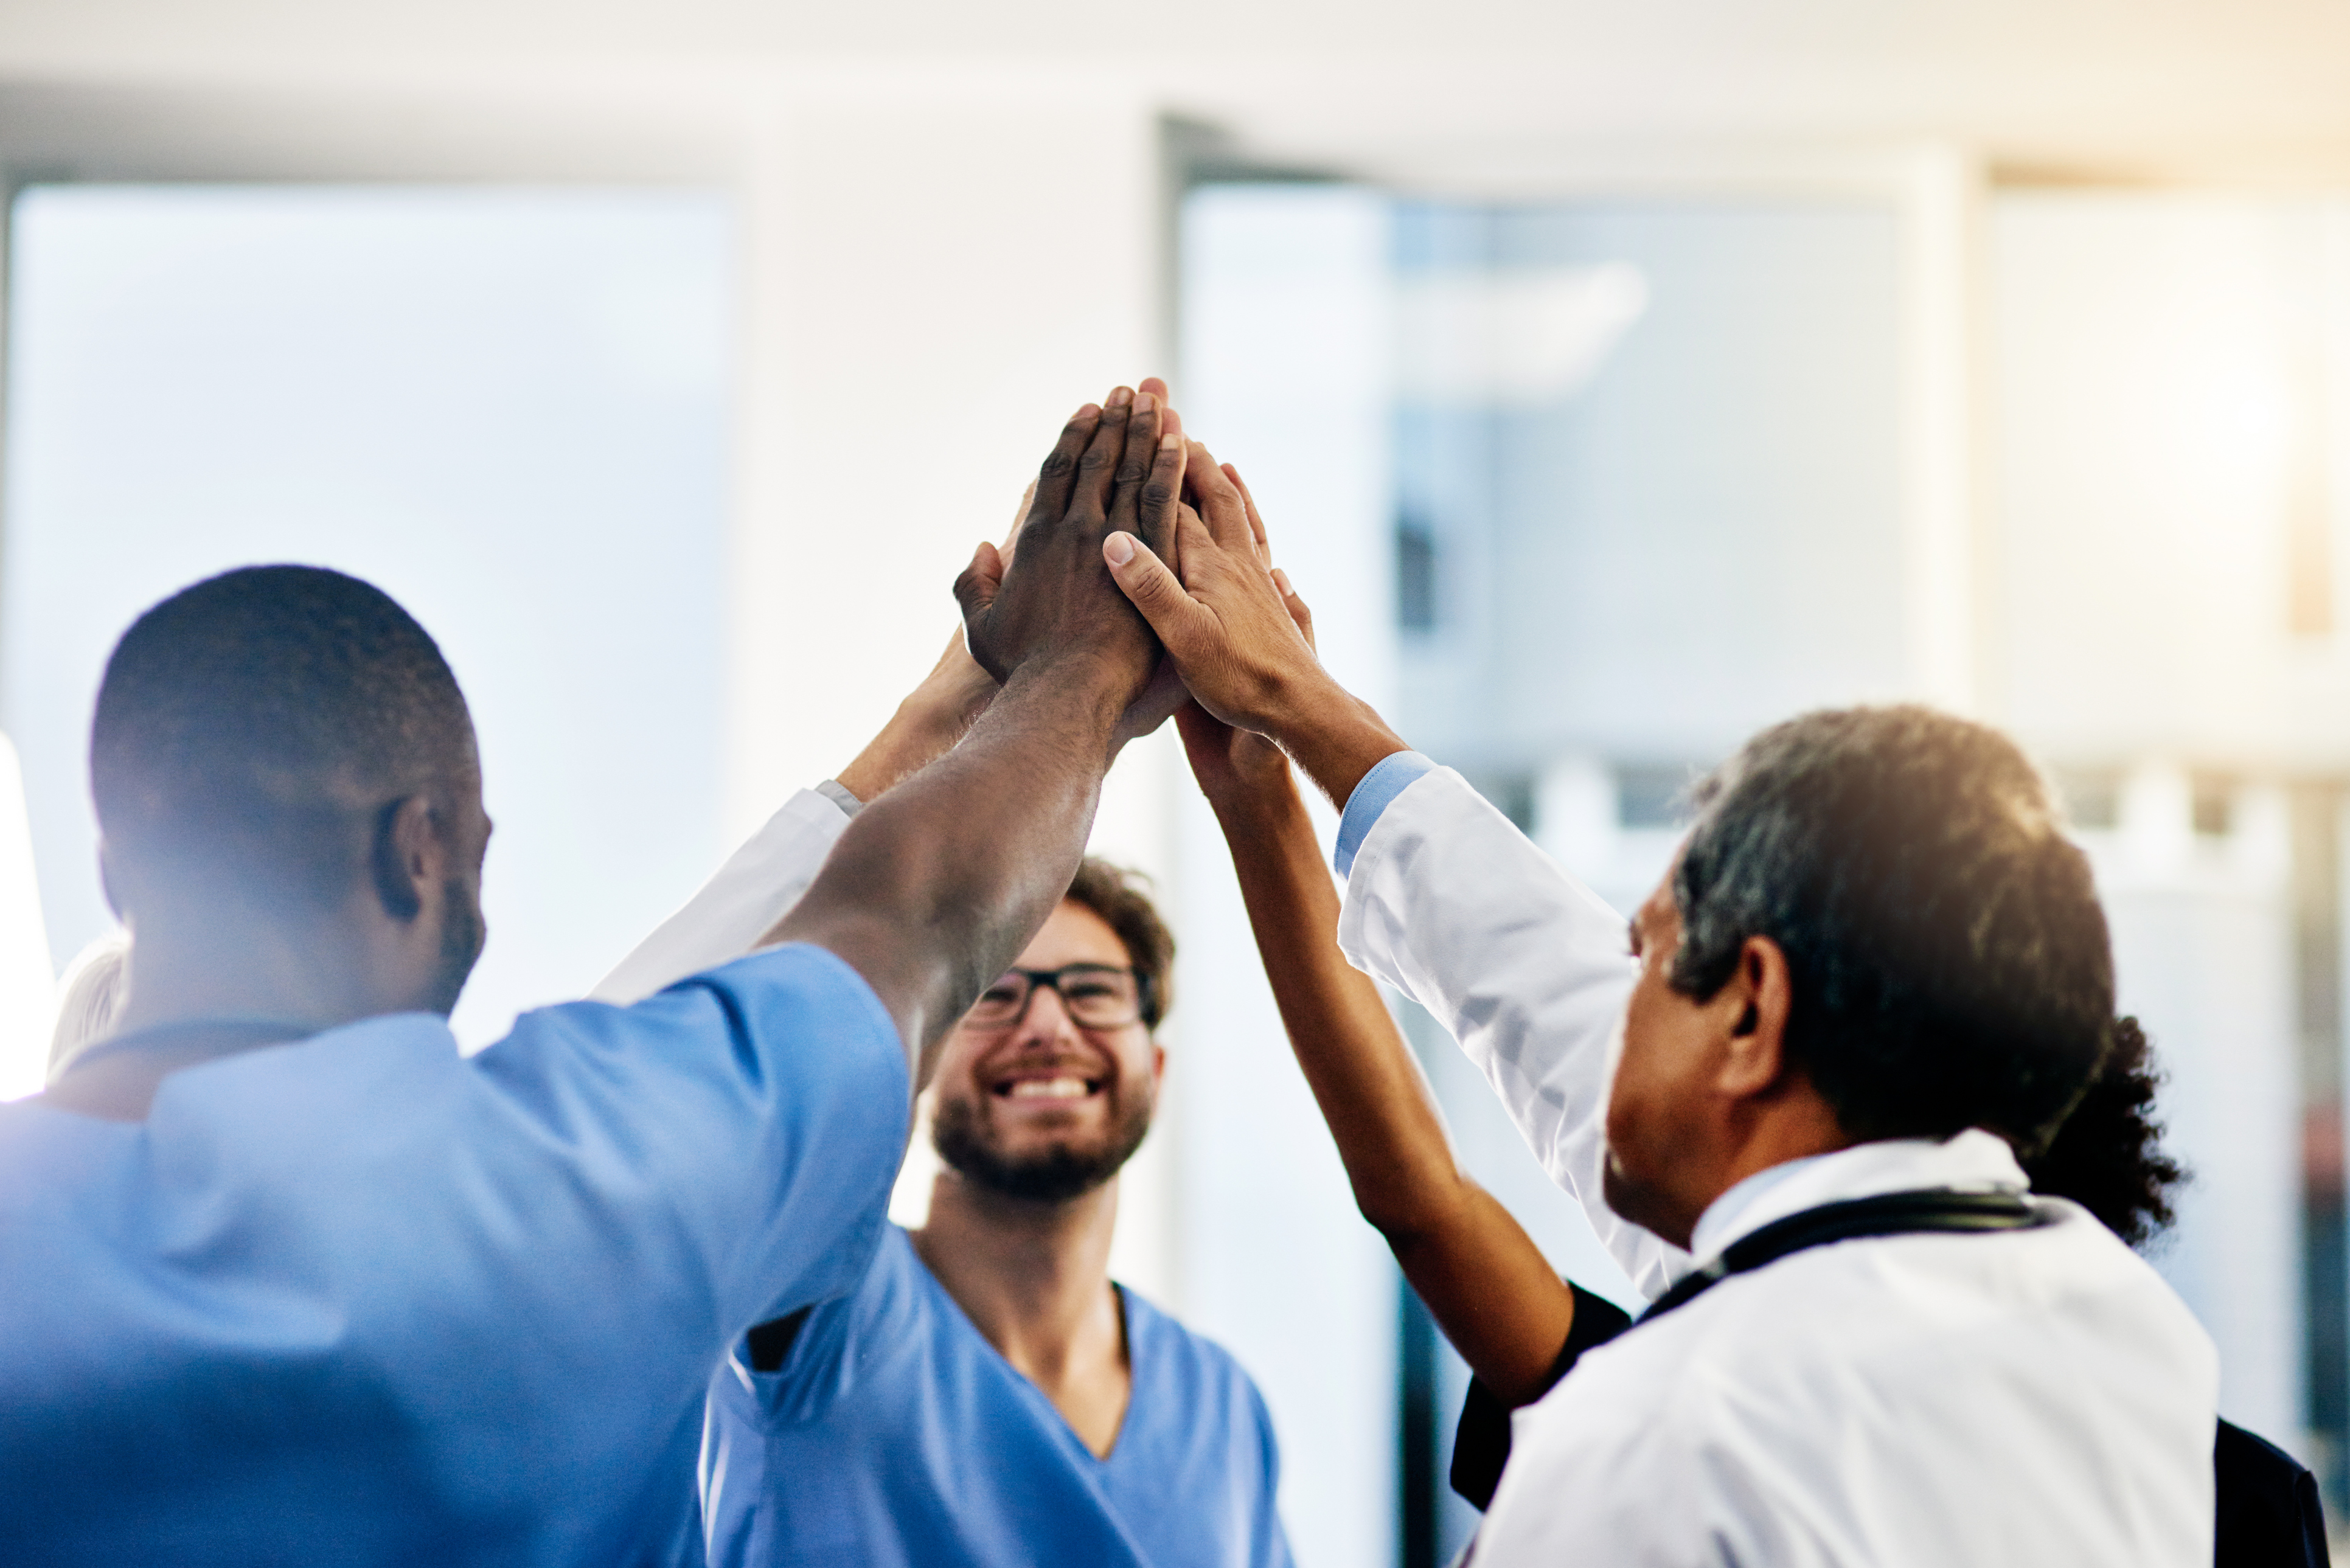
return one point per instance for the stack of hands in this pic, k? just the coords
(1138, 557)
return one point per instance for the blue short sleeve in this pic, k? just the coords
(360, 1279)
(783, 1064)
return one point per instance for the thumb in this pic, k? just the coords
(975, 587)
(1163, 601)
(1291, 601)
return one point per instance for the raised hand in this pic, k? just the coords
(1232, 764)
(1116, 468)
(1226, 621)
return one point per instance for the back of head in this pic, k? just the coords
(248, 725)
(1949, 957)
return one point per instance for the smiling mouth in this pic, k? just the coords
(1068, 1086)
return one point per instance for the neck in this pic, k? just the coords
(1797, 1127)
(199, 991)
(236, 963)
(1032, 1276)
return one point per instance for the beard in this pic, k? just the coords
(960, 1133)
(464, 930)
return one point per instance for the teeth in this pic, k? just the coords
(1049, 1089)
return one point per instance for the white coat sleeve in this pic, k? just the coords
(757, 885)
(1449, 903)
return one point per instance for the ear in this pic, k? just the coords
(408, 856)
(1754, 1006)
(1158, 1065)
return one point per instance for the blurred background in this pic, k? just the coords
(1616, 380)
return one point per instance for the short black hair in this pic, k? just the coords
(1117, 895)
(1949, 957)
(245, 724)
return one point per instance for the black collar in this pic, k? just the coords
(1888, 1214)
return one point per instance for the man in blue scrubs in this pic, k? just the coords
(986, 1397)
(284, 1279)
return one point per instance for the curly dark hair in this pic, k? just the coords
(2108, 1156)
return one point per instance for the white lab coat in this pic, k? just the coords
(2025, 1397)
(740, 904)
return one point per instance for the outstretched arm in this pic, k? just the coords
(1480, 1276)
(1445, 899)
(1226, 627)
(938, 884)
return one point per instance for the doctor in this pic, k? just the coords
(1793, 1110)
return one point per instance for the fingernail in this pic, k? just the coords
(1281, 581)
(1144, 402)
(1084, 410)
(1170, 442)
(1118, 549)
(1121, 398)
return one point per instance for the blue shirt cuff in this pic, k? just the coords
(1388, 779)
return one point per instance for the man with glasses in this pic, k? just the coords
(985, 1396)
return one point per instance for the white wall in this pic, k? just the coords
(933, 284)
(508, 410)
(1286, 300)
(2202, 952)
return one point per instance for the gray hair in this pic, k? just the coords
(1948, 952)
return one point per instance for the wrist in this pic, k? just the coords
(1256, 808)
(1086, 691)
(1333, 735)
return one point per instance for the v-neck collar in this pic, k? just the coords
(1027, 1384)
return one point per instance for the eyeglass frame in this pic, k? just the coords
(1050, 978)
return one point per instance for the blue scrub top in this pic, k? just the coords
(895, 1435)
(360, 1300)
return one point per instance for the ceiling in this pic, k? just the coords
(1495, 90)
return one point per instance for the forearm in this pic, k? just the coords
(1454, 907)
(1482, 1277)
(925, 726)
(1363, 1077)
(936, 886)
(1332, 734)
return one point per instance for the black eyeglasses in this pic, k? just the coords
(1097, 995)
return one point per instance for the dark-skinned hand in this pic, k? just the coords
(1109, 472)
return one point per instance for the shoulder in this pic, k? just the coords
(1981, 1336)
(801, 974)
(744, 1022)
(1895, 1307)
(1156, 1336)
